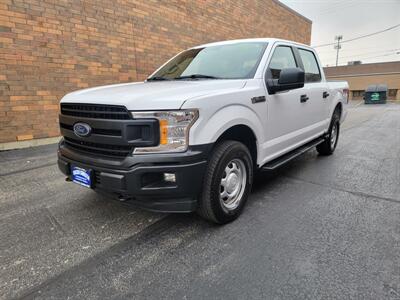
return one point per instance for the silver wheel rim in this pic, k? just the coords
(233, 184)
(334, 135)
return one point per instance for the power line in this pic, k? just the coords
(390, 54)
(367, 53)
(356, 49)
(377, 56)
(360, 37)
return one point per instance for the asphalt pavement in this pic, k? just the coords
(317, 228)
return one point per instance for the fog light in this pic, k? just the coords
(169, 177)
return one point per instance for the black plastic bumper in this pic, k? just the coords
(139, 179)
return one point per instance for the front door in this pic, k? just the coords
(288, 111)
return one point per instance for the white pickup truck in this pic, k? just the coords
(192, 135)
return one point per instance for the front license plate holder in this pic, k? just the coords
(81, 176)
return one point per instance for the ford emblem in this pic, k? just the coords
(82, 129)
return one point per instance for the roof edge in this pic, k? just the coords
(292, 10)
(360, 74)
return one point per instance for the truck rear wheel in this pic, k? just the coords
(329, 145)
(227, 182)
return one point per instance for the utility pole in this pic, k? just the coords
(338, 38)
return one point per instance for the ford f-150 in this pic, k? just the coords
(191, 136)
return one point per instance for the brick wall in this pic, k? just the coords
(51, 47)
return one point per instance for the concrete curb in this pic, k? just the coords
(28, 144)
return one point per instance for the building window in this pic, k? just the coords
(358, 94)
(392, 94)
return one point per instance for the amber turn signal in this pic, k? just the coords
(163, 132)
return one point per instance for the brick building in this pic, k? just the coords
(363, 75)
(49, 48)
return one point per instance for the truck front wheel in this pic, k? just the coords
(227, 182)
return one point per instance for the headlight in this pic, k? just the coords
(174, 129)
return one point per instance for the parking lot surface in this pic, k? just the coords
(319, 227)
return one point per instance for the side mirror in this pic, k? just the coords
(289, 79)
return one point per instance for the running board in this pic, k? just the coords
(277, 162)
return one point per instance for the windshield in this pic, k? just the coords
(232, 61)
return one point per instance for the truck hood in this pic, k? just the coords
(158, 95)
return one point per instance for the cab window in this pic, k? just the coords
(311, 69)
(282, 58)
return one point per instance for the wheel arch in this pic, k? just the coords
(226, 121)
(339, 108)
(244, 134)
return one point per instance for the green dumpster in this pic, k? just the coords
(376, 94)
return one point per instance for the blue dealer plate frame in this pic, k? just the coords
(81, 176)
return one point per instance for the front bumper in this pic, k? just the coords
(139, 179)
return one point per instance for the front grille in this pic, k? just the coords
(114, 133)
(95, 111)
(111, 132)
(98, 148)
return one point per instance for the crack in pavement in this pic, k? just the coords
(53, 220)
(343, 190)
(27, 169)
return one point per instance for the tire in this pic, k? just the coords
(329, 145)
(227, 182)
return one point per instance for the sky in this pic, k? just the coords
(351, 19)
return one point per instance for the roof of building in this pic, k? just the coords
(391, 67)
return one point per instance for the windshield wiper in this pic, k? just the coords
(193, 76)
(157, 78)
(196, 76)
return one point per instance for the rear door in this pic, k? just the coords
(316, 89)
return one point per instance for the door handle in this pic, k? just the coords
(303, 98)
(325, 95)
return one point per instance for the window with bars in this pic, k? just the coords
(357, 94)
(392, 94)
